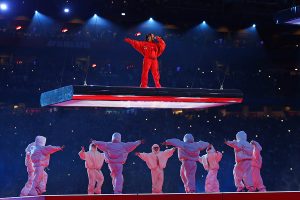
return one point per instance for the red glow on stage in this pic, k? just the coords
(94, 65)
(131, 101)
(156, 98)
(18, 28)
(134, 97)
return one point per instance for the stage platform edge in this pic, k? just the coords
(135, 97)
(280, 195)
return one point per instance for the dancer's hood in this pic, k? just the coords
(188, 138)
(241, 136)
(91, 147)
(40, 140)
(116, 137)
(153, 146)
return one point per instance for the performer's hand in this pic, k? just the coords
(82, 148)
(142, 141)
(174, 148)
(137, 153)
(225, 140)
(62, 147)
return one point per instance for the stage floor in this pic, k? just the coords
(135, 97)
(199, 196)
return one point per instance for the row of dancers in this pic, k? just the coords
(246, 170)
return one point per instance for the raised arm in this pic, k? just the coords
(174, 142)
(169, 152)
(100, 145)
(233, 144)
(143, 156)
(137, 45)
(51, 149)
(82, 153)
(130, 146)
(161, 45)
(202, 145)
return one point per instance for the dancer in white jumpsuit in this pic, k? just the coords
(188, 154)
(93, 164)
(30, 170)
(40, 157)
(242, 171)
(156, 162)
(256, 166)
(210, 162)
(116, 153)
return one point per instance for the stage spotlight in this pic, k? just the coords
(18, 28)
(123, 14)
(36, 12)
(97, 21)
(66, 10)
(254, 25)
(203, 26)
(3, 6)
(150, 26)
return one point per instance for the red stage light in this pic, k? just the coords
(138, 34)
(94, 65)
(18, 28)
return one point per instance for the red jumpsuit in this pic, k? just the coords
(151, 51)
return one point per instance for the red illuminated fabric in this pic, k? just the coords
(151, 51)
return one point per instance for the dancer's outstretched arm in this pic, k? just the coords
(100, 145)
(130, 146)
(52, 149)
(174, 142)
(137, 45)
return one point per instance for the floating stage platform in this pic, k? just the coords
(197, 196)
(136, 97)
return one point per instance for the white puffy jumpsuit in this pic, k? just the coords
(93, 164)
(242, 171)
(256, 166)
(116, 153)
(188, 154)
(210, 162)
(30, 170)
(40, 157)
(156, 162)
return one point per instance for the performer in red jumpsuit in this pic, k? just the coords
(151, 51)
